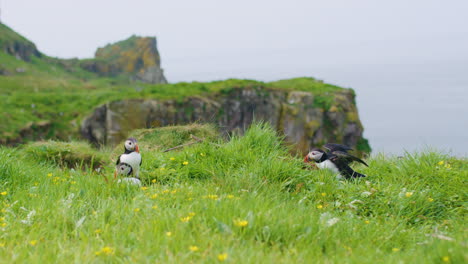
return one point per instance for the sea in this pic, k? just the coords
(404, 107)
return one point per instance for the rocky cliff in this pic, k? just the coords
(296, 114)
(137, 57)
(14, 44)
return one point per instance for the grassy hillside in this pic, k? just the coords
(241, 201)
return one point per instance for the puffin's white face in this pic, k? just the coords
(124, 169)
(315, 155)
(130, 145)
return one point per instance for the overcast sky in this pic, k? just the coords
(262, 39)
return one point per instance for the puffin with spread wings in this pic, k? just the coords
(337, 159)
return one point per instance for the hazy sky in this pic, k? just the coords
(406, 59)
(209, 39)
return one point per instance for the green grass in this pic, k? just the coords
(66, 154)
(409, 210)
(7, 35)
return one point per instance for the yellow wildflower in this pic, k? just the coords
(241, 223)
(446, 259)
(3, 193)
(155, 207)
(324, 194)
(222, 257)
(49, 174)
(193, 248)
(153, 180)
(448, 166)
(319, 206)
(191, 214)
(136, 210)
(430, 199)
(409, 194)
(367, 222)
(172, 158)
(212, 196)
(185, 162)
(73, 182)
(3, 224)
(105, 251)
(154, 196)
(168, 234)
(2, 245)
(395, 249)
(166, 191)
(185, 219)
(440, 162)
(202, 154)
(230, 196)
(98, 231)
(173, 191)
(33, 242)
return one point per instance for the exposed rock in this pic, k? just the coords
(292, 113)
(16, 45)
(4, 71)
(32, 131)
(137, 57)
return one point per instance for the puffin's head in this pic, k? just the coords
(315, 154)
(124, 169)
(131, 145)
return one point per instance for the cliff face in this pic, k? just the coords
(14, 44)
(293, 113)
(137, 57)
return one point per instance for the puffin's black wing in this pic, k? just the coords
(333, 146)
(344, 168)
(343, 156)
(118, 160)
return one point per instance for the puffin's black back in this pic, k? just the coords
(333, 147)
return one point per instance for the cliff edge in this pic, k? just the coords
(137, 57)
(305, 118)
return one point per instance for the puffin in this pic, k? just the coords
(126, 170)
(337, 159)
(130, 161)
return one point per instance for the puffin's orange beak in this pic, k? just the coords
(306, 159)
(137, 149)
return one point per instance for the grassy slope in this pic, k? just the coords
(408, 210)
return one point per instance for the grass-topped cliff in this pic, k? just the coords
(243, 200)
(48, 98)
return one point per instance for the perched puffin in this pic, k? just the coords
(130, 161)
(337, 159)
(125, 169)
